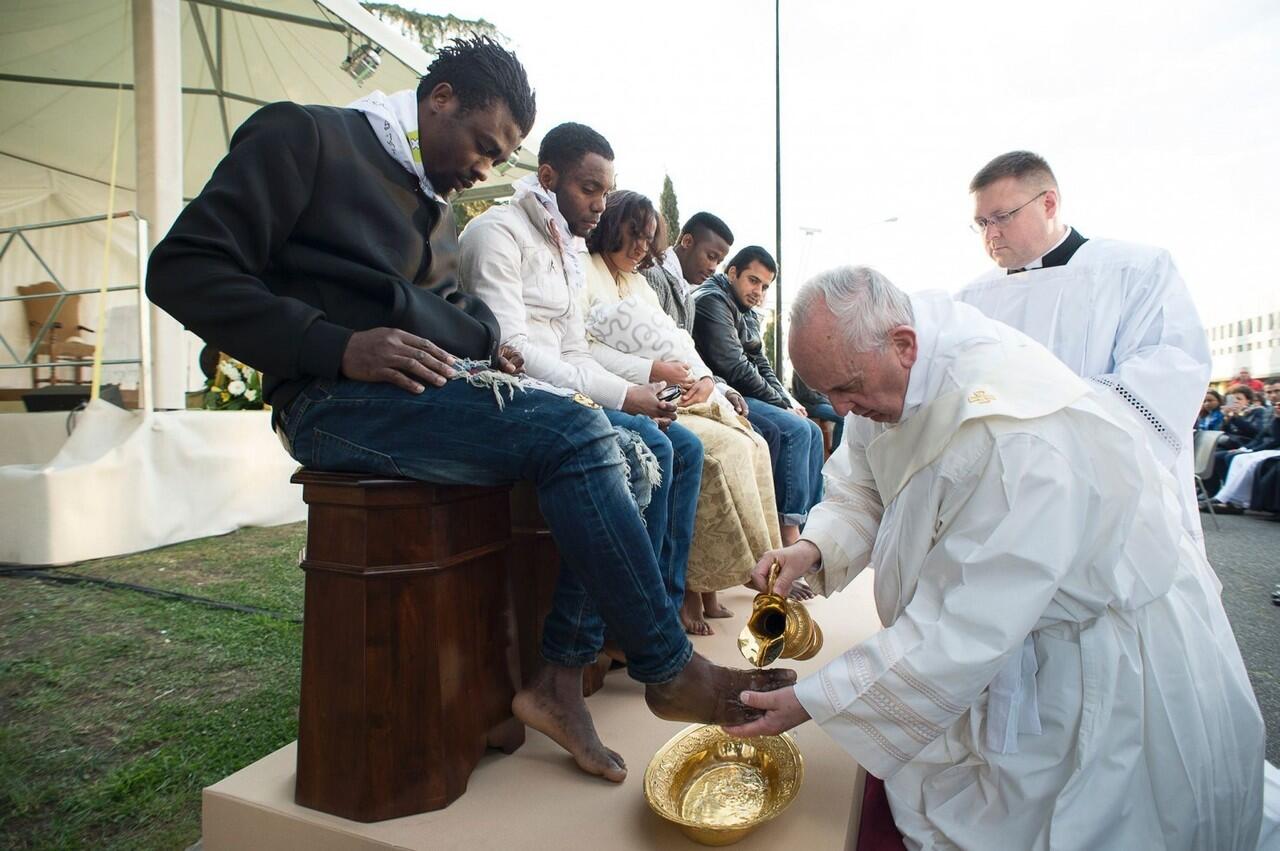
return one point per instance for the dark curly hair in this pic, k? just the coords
(481, 71)
(628, 214)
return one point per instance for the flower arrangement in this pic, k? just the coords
(233, 387)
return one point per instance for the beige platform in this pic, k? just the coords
(536, 798)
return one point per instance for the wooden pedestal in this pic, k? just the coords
(410, 656)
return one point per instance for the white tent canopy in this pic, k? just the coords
(62, 60)
(62, 64)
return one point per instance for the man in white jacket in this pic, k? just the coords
(1056, 669)
(524, 261)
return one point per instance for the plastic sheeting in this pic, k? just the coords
(126, 481)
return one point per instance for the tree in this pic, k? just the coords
(431, 31)
(670, 210)
(465, 211)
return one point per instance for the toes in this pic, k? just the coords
(617, 758)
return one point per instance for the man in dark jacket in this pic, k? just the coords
(307, 256)
(727, 334)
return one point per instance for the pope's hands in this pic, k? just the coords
(793, 562)
(396, 357)
(782, 711)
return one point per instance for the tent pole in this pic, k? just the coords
(157, 99)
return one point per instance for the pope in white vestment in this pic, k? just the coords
(1055, 670)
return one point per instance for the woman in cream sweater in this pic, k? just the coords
(628, 332)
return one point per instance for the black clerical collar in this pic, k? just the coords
(1062, 253)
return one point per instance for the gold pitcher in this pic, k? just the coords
(778, 628)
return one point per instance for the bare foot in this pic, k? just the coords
(553, 705)
(707, 693)
(711, 607)
(800, 590)
(691, 615)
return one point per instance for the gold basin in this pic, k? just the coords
(718, 789)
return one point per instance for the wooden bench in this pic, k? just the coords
(411, 647)
(423, 614)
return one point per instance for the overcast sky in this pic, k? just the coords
(1161, 120)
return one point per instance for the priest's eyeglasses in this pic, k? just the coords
(980, 225)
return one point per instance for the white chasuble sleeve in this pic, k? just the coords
(844, 525)
(1160, 360)
(1008, 531)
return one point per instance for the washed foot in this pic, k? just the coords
(708, 694)
(553, 705)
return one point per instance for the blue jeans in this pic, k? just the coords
(579, 631)
(456, 434)
(670, 515)
(826, 413)
(795, 449)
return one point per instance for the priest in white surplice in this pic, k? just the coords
(1056, 669)
(1114, 312)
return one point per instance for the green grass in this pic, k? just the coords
(118, 708)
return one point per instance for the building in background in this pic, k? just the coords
(1249, 341)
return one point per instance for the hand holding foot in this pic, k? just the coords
(709, 694)
(782, 711)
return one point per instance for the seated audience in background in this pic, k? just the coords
(1245, 417)
(1246, 378)
(818, 406)
(1245, 427)
(628, 331)
(1242, 468)
(1236, 468)
(728, 339)
(1210, 418)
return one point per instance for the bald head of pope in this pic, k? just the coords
(852, 339)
